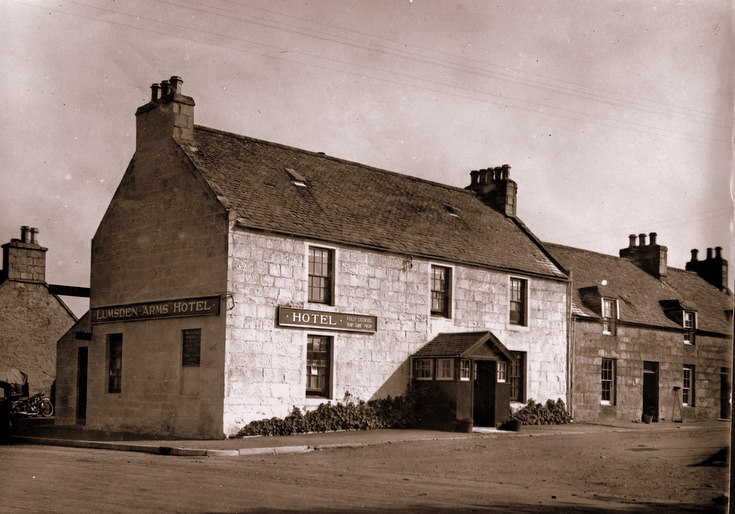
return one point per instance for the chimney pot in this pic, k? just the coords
(709, 254)
(175, 82)
(694, 254)
(506, 171)
(632, 238)
(653, 236)
(718, 252)
(164, 89)
(24, 231)
(641, 239)
(154, 92)
(474, 175)
(34, 232)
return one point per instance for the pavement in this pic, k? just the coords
(43, 431)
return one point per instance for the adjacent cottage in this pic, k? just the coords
(649, 342)
(234, 278)
(32, 316)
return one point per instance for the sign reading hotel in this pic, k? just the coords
(208, 306)
(288, 317)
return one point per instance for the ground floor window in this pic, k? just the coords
(608, 381)
(464, 369)
(502, 371)
(114, 363)
(687, 390)
(191, 347)
(517, 377)
(422, 369)
(445, 369)
(318, 365)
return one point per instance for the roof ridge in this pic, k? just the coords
(585, 250)
(337, 159)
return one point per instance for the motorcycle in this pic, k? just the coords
(34, 405)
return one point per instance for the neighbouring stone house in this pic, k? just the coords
(234, 278)
(648, 338)
(32, 317)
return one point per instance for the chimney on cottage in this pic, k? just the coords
(650, 257)
(713, 269)
(24, 260)
(495, 188)
(168, 114)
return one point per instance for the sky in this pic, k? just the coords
(616, 117)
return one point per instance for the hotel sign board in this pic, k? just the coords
(205, 306)
(302, 318)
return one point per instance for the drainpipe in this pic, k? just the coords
(570, 349)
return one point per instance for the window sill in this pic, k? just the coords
(518, 328)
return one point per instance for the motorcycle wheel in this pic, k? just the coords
(46, 408)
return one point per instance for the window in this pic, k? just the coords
(440, 291)
(191, 347)
(464, 369)
(423, 369)
(517, 377)
(318, 365)
(690, 324)
(114, 363)
(321, 275)
(445, 369)
(608, 381)
(609, 316)
(687, 391)
(502, 371)
(518, 307)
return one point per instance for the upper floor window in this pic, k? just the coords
(321, 275)
(441, 291)
(518, 301)
(689, 320)
(609, 316)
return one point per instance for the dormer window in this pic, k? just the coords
(689, 321)
(609, 316)
(296, 178)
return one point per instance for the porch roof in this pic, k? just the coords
(464, 344)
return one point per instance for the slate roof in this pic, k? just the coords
(461, 344)
(640, 295)
(351, 203)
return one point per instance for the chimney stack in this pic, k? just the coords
(495, 188)
(651, 257)
(169, 114)
(24, 260)
(713, 269)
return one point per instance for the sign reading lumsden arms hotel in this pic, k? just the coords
(288, 317)
(206, 306)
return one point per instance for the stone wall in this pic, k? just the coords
(265, 363)
(633, 345)
(31, 321)
(163, 237)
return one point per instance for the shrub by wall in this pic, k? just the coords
(390, 412)
(419, 407)
(553, 413)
